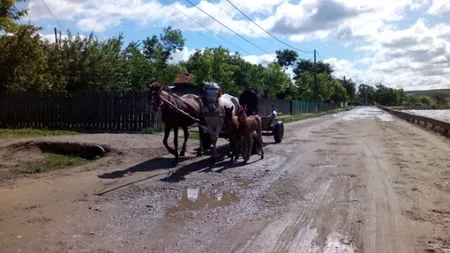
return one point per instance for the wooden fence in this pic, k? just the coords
(102, 111)
(96, 111)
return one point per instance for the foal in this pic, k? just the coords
(231, 123)
(247, 125)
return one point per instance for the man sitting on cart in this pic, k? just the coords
(249, 98)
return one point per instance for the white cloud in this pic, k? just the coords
(439, 7)
(416, 56)
(264, 59)
(51, 37)
(412, 58)
(182, 55)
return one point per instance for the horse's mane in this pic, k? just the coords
(213, 85)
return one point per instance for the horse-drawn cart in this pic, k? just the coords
(271, 125)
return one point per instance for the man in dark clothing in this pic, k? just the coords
(249, 98)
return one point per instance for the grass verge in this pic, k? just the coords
(53, 162)
(194, 135)
(297, 117)
(28, 132)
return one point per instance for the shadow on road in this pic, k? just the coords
(204, 165)
(150, 165)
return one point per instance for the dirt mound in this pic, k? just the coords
(15, 157)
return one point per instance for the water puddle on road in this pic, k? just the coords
(195, 199)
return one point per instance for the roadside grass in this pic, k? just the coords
(149, 130)
(30, 132)
(194, 135)
(297, 117)
(53, 162)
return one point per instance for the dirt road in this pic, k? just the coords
(357, 181)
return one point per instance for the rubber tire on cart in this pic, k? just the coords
(278, 132)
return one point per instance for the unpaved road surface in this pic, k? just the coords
(357, 181)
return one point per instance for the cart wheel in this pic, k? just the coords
(278, 132)
(205, 139)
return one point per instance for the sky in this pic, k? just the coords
(399, 43)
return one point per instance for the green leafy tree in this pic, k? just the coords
(23, 62)
(303, 66)
(366, 91)
(425, 100)
(339, 93)
(286, 57)
(140, 70)
(350, 88)
(441, 100)
(10, 14)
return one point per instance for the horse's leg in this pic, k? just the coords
(251, 142)
(232, 143)
(186, 136)
(175, 143)
(166, 136)
(237, 146)
(216, 137)
(232, 147)
(259, 132)
(200, 148)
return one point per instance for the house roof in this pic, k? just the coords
(183, 78)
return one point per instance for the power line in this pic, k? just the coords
(284, 43)
(318, 54)
(232, 18)
(200, 24)
(227, 27)
(53, 16)
(183, 21)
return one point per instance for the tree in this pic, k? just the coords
(303, 66)
(23, 62)
(275, 80)
(141, 71)
(440, 99)
(161, 50)
(425, 100)
(286, 57)
(366, 91)
(350, 88)
(339, 93)
(10, 14)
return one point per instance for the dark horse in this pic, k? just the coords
(176, 111)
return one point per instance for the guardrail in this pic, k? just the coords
(435, 124)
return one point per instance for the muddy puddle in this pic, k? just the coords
(197, 199)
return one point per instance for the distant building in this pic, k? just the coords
(183, 86)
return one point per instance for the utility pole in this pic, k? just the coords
(316, 90)
(56, 36)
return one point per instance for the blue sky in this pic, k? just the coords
(401, 43)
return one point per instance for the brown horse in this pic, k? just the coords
(248, 125)
(176, 112)
(231, 125)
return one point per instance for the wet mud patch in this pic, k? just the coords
(194, 200)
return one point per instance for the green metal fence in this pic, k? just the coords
(298, 107)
